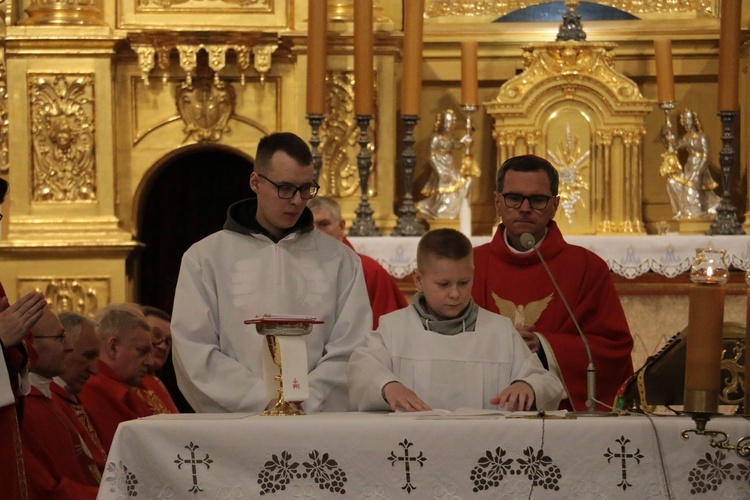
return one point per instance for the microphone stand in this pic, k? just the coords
(529, 242)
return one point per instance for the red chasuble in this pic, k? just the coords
(164, 403)
(69, 405)
(383, 291)
(109, 402)
(12, 472)
(517, 286)
(58, 462)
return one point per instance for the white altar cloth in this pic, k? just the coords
(628, 256)
(371, 455)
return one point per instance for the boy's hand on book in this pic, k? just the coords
(518, 396)
(400, 397)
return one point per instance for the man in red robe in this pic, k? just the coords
(15, 322)
(509, 278)
(114, 394)
(59, 464)
(81, 363)
(161, 342)
(383, 291)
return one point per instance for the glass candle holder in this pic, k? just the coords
(709, 267)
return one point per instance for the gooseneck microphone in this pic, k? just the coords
(529, 242)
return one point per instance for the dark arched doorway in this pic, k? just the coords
(183, 202)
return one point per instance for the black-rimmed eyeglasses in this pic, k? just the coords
(59, 338)
(536, 201)
(287, 191)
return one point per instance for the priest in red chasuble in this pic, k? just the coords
(58, 462)
(115, 394)
(509, 278)
(81, 363)
(382, 290)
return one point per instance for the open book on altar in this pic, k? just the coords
(480, 412)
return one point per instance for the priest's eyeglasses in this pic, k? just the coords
(58, 338)
(536, 201)
(288, 191)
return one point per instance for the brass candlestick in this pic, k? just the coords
(315, 121)
(408, 224)
(726, 214)
(363, 225)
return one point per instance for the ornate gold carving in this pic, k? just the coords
(569, 59)
(570, 99)
(63, 12)
(262, 53)
(62, 127)
(570, 162)
(206, 107)
(4, 117)
(65, 293)
(243, 60)
(499, 8)
(339, 133)
(151, 5)
(188, 60)
(145, 60)
(217, 58)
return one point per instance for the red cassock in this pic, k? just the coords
(109, 402)
(12, 471)
(517, 286)
(383, 291)
(152, 383)
(67, 404)
(58, 462)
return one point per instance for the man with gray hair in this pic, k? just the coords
(82, 362)
(114, 395)
(58, 462)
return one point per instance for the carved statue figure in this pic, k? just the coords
(690, 186)
(446, 187)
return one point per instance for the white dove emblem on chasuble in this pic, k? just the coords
(521, 315)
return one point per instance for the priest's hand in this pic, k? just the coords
(518, 396)
(16, 320)
(531, 338)
(399, 396)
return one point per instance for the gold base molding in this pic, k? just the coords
(76, 12)
(696, 226)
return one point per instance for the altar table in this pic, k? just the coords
(628, 256)
(380, 456)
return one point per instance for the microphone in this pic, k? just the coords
(529, 242)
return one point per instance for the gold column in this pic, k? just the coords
(80, 12)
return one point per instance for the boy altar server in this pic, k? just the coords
(444, 351)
